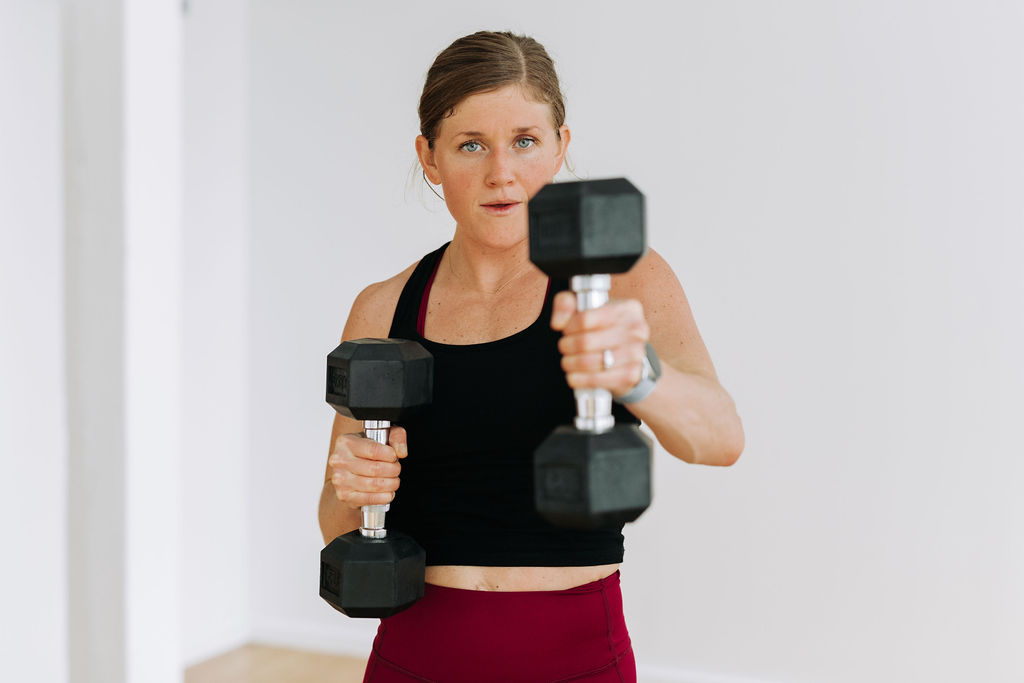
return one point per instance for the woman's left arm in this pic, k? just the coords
(689, 411)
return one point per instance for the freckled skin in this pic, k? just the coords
(490, 156)
(499, 146)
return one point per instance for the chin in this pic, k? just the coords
(500, 234)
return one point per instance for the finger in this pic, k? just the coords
(617, 380)
(398, 439)
(351, 488)
(357, 499)
(625, 312)
(359, 484)
(563, 306)
(362, 447)
(596, 341)
(370, 468)
(593, 361)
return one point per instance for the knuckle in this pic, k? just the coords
(382, 453)
(635, 372)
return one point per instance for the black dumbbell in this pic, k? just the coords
(370, 572)
(596, 474)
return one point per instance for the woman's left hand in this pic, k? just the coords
(618, 327)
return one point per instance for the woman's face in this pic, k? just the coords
(491, 155)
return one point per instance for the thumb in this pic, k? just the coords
(398, 440)
(562, 309)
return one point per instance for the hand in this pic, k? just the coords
(618, 326)
(364, 472)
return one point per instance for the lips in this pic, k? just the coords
(501, 207)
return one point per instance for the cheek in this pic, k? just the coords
(539, 175)
(458, 189)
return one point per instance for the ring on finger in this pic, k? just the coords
(607, 359)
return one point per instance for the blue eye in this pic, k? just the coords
(525, 143)
(471, 146)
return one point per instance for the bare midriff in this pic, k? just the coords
(516, 578)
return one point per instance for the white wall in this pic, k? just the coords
(33, 433)
(122, 219)
(215, 433)
(837, 185)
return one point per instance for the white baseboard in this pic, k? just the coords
(652, 673)
(353, 638)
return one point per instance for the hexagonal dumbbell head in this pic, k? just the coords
(379, 379)
(588, 480)
(586, 228)
(370, 577)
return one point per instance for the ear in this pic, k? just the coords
(426, 157)
(563, 138)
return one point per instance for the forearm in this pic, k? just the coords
(336, 518)
(693, 418)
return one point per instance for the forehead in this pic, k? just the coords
(508, 108)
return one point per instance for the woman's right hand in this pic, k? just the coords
(364, 472)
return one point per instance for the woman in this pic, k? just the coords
(509, 597)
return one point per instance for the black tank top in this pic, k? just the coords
(467, 486)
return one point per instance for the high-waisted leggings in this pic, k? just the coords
(464, 636)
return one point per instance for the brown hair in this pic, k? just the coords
(483, 62)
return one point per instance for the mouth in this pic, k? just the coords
(500, 207)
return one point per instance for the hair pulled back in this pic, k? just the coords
(483, 62)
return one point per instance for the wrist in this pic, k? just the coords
(649, 375)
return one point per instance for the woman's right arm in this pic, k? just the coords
(360, 471)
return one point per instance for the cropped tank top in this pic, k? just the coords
(467, 485)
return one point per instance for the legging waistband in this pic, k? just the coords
(454, 635)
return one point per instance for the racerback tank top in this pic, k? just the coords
(467, 485)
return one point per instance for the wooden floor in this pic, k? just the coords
(265, 664)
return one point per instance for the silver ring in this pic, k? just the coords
(608, 359)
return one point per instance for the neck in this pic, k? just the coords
(487, 269)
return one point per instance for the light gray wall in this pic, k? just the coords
(215, 431)
(122, 143)
(837, 186)
(33, 432)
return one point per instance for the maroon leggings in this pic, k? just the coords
(453, 635)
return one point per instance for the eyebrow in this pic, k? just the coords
(478, 134)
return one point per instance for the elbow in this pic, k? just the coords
(728, 446)
(733, 442)
(732, 450)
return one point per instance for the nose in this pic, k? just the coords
(499, 172)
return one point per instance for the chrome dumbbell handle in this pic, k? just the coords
(373, 515)
(593, 406)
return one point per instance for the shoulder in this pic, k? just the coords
(374, 307)
(674, 332)
(651, 278)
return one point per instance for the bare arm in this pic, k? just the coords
(689, 411)
(360, 471)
